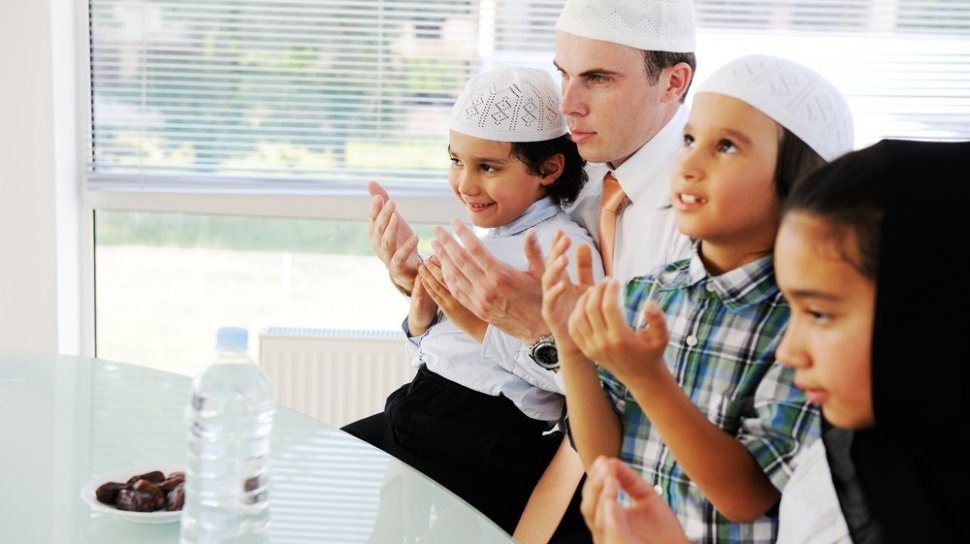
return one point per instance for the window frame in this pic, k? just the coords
(434, 204)
(426, 204)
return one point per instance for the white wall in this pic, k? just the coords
(40, 273)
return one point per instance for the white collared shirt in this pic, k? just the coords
(450, 352)
(810, 511)
(646, 234)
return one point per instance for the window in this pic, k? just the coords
(318, 93)
(256, 118)
(904, 65)
(276, 94)
(167, 281)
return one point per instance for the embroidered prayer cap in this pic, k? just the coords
(792, 95)
(509, 104)
(650, 25)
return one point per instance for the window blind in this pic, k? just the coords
(325, 94)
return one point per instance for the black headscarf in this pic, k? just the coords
(912, 467)
(906, 478)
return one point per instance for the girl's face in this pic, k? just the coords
(829, 337)
(724, 191)
(495, 187)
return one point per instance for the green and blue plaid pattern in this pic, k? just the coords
(723, 335)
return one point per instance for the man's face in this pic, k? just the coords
(609, 103)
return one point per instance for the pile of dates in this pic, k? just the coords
(147, 492)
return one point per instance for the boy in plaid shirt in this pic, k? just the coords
(702, 411)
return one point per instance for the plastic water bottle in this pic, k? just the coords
(227, 470)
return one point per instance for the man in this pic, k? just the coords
(625, 73)
(626, 67)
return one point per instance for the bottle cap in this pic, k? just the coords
(232, 338)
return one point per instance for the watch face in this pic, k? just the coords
(546, 356)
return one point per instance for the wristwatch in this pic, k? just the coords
(544, 353)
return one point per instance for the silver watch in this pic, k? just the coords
(544, 353)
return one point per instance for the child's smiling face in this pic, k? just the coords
(829, 337)
(724, 191)
(493, 185)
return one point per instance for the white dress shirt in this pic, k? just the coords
(810, 511)
(646, 234)
(450, 352)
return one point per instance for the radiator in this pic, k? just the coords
(335, 376)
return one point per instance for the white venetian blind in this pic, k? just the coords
(280, 94)
(291, 93)
(904, 65)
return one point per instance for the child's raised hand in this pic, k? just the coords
(422, 311)
(392, 238)
(599, 329)
(646, 520)
(432, 280)
(559, 293)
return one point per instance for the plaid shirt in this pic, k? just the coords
(723, 335)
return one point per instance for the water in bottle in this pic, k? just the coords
(227, 471)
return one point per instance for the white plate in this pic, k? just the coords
(88, 493)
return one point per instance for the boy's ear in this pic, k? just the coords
(552, 169)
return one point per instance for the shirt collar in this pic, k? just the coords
(744, 286)
(654, 159)
(539, 211)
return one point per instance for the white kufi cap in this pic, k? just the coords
(509, 104)
(792, 95)
(650, 25)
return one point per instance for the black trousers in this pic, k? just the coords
(480, 447)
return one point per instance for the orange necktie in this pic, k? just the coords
(613, 199)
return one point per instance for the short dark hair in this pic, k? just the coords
(656, 61)
(795, 161)
(534, 156)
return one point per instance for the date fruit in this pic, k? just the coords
(148, 492)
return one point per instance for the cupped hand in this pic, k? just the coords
(422, 311)
(646, 520)
(392, 238)
(598, 327)
(432, 280)
(498, 294)
(559, 293)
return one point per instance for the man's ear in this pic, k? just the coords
(552, 168)
(678, 81)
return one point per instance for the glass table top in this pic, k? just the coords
(67, 419)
